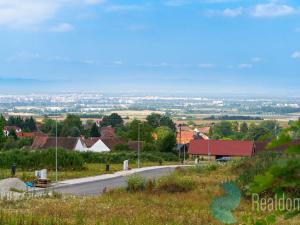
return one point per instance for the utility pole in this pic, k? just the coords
(56, 153)
(179, 150)
(138, 161)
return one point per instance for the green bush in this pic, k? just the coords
(175, 183)
(136, 183)
(120, 156)
(32, 160)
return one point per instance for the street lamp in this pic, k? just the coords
(138, 161)
(56, 153)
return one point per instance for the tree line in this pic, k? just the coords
(265, 130)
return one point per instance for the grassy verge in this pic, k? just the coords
(90, 169)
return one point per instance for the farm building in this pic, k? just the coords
(215, 149)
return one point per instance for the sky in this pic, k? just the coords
(167, 46)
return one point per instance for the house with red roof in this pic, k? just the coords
(8, 129)
(215, 149)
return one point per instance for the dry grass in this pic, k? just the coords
(120, 207)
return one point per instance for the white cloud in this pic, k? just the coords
(24, 56)
(15, 13)
(295, 55)
(272, 9)
(257, 59)
(28, 14)
(232, 12)
(185, 2)
(207, 66)
(118, 62)
(245, 66)
(94, 2)
(62, 27)
(123, 8)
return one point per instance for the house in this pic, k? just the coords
(186, 136)
(215, 149)
(30, 134)
(69, 143)
(204, 130)
(108, 132)
(112, 142)
(8, 129)
(95, 144)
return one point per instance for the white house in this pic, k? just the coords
(8, 129)
(95, 144)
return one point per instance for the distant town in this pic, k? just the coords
(90, 105)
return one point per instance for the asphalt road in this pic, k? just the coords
(97, 187)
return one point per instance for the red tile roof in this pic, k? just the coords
(186, 136)
(30, 134)
(221, 147)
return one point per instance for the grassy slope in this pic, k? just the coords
(119, 207)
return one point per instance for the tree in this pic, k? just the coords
(156, 120)
(167, 143)
(222, 129)
(74, 132)
(29, 124)
(69, 125)
(95, 131)
(235, 126)
(13, 134)
(146, 131)
(2, 138)
(257, 133)
(162, 132)
(114, 120)
(49, 127)
(244, 128)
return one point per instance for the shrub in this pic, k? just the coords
(175, 183)
(211, 168)
(32, 160)
(136, 183)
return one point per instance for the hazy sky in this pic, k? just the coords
(196, 46)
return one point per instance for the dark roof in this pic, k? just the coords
(262, 146)
(11, 128)
(89, 142)
(50, 142)
(108, 132)
(30, 134)
(221, 147)
(112, 142)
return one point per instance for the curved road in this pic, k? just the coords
(97, 186)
